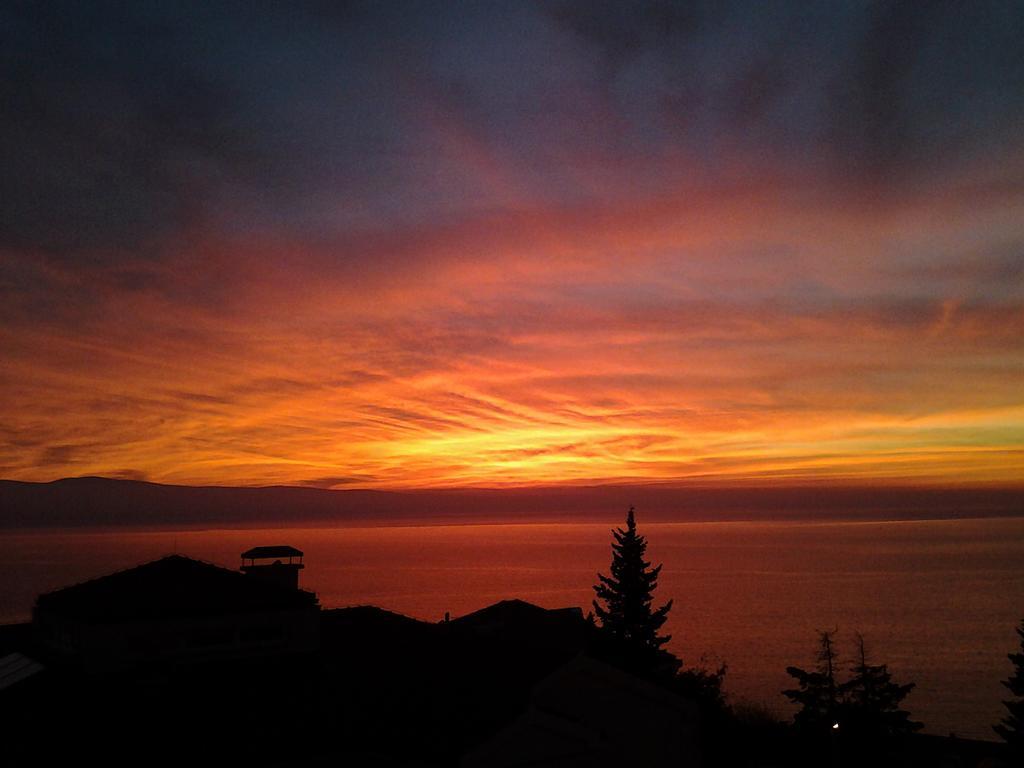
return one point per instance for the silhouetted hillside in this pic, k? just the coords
(95, 501)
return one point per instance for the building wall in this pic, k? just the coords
(100, 647)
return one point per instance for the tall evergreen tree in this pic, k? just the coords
(1012, 726)
(628, 593)
(871, 707)
(818, 694)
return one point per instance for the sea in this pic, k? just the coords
(937, 601)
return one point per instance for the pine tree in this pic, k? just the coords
(871, 702)
(819, 692)
(1012, 726)
(627, 615)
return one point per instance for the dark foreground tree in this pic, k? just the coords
(628, 594)
(703, 685)
(627, 635)
(1012, 726)
(860, 718)
(818, 694)
(626, 632)
(871, 703)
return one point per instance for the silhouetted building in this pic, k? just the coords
(519, 616)
(17, 667)
(278, 571)
(177, 610)
(587, 714)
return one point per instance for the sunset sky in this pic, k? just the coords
(396, 245)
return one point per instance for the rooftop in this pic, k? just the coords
(276, 551)
(173, 587)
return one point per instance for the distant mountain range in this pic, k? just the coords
(97, 501)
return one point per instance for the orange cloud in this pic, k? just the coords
(648, 346)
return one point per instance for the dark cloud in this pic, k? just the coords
(201, 398)
(129, 474)
(125, 124)
(992, 273)
(928, 82)
(57, 455)
(274, 386)
(334, 481)
(112, 132)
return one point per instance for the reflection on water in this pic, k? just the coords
(936, 600)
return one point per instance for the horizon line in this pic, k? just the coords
(680, 484)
